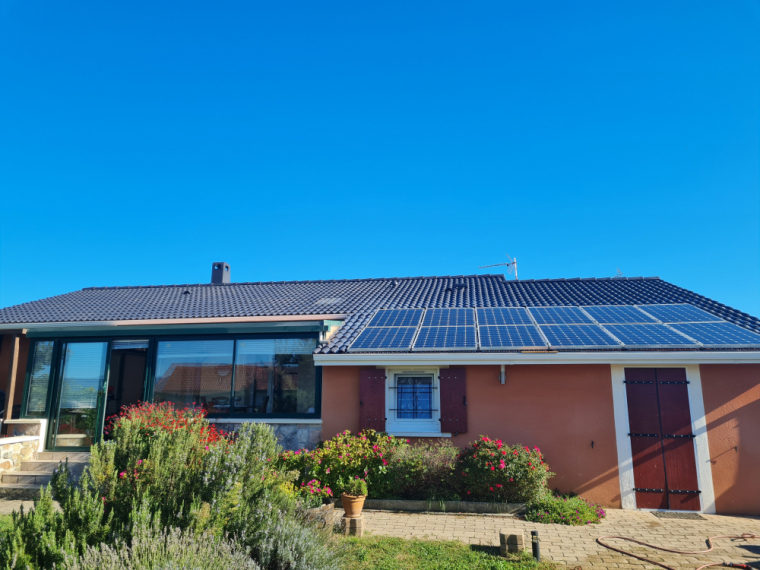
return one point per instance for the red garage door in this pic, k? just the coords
(664, 468)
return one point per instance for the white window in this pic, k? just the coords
(413, 403)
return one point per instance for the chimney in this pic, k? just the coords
(220, 273)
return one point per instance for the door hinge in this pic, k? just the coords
(648, 490)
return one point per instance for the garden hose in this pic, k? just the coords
(745, 536)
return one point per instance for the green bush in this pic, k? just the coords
(155, 548)
(356, 488)
(425, 471)
(345, 457)
(563, 509)
(492, 471)
(182, 475)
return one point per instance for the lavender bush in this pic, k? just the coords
(180, 478)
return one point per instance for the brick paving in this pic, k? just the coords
(577, 546)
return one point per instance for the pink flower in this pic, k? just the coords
(139, 461)
(491, 488)
(207, 448)
(123, 474)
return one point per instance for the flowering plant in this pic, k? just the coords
(493, 471)
(149, 420)
(344, 458)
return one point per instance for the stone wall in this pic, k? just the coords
(14, 452)
(290, 436)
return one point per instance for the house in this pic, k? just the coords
(641, 394)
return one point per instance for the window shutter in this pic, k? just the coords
(372, 399)
(453, 400)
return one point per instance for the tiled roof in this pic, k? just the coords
(357, 298)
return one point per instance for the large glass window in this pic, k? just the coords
(39, 378)
(195, 372)
(275, 376)
(240, 377)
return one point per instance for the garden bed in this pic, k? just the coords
(442, 506)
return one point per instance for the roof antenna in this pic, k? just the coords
(619, 273)
(512, 266)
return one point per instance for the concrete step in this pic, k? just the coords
(19, 492)
(74, 456)
(42, 465)
(26, 478)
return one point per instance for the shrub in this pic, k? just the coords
(561, 509)
(492, 471)
(425, 471)
(154, 548)
(313, 494)
(180, 476)
(356, 488)
(345, 457)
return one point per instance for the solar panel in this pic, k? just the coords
(650, 335)
(384, 338)
(680, 314)
(396, 318)
(577, 336)
(504, 316)
(718, 335)
(449, 318)
(446, 338)
(494, 337)
(618, 314)
(560, 316)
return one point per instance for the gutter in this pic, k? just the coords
(190, 321)
(458, 359)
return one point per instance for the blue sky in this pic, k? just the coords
(141, 141)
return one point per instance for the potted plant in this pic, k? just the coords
(354, 493)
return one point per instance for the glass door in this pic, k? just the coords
(78, 415)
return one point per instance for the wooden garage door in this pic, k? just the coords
(664, 468)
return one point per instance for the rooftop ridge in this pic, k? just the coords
(369, 279)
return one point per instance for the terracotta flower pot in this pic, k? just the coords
(353, 505)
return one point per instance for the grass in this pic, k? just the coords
(386, 553)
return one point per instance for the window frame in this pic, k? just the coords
(150, 372)
(410, 427)
(317, 414)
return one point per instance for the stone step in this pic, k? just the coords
(19, 492)
(27, 478)
(42, 465)
(74, 456)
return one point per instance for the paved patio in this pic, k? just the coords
(577, 546)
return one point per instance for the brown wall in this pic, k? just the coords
(5, 361)
(731, 394)
(559, 408)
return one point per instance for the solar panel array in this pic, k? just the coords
(618, 314)
(719, 335)
(562, 328)
(680, 314)
(560, 316)
(504, 316)
(649, 336)
(389, 330)
(510, 337)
